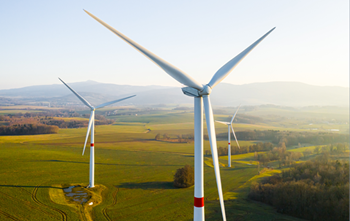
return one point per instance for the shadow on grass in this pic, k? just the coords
(111, 164)
(173, 142)
(128, 124)
(234, 168)
(18, 186)
(188, 156)
(148, 185)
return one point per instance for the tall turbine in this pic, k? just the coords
(91, 126)
(201, 96)
(229, 125)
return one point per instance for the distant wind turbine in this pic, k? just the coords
(229, 124)
(201, 95)
(91, 126)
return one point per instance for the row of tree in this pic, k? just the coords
(285, 157)
(44, 122)
(278, 138)
(101, 120)
(290, 137)
(223, 151)
(28, 129)
(314, 190)
(184, 138)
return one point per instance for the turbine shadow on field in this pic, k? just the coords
(17, 186)
(111, 164)
(148, 185)
(234, 168)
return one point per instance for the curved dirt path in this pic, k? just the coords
(104, 211)
(63, 214)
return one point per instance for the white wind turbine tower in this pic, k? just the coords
(201, 95)
(229, 125)
(91, 126)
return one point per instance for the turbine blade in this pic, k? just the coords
(212, 139)
(174, 72)
(78, 95)
(222, 122)
(229, 66)
(235, 137)
(92, 118)
(112, 102)
(235, 114)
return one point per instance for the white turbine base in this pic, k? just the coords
(92, 167)
(92, 157)
(229, 146)
(229, 155)
(198, 214)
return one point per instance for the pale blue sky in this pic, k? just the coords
(43, 40)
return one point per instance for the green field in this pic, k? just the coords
(136, 170)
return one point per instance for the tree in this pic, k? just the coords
(157, 137)
(307, 152)
(340, 148)
(317, 150)
(179, 138)
(184, 177)
(166, 136)
(207, 152)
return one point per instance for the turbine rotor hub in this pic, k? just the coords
(206, 90)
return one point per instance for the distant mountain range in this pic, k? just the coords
(278, 93)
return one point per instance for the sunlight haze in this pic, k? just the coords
(44, 40)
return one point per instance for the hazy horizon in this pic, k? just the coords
(44, 40)
(179, 86)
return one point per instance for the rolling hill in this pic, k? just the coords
(277, 93)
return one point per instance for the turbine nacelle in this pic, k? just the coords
(190, 91)
(193, 92)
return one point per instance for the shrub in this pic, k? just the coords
(184, 177)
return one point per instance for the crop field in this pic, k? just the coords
(317, 119)
(135, 170)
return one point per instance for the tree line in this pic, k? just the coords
(183, 138)
(315, 190)
(44, 122)
(261, 146)
(290, 137)
(286, 158)
(28, 129)
(276, 137)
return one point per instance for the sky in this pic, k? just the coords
(43, 40)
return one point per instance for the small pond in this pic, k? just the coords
(77, 194)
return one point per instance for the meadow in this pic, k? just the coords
(135, 170)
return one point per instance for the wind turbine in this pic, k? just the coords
(201, 95)
(91, 126)
(229, 124)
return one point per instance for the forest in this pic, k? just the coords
(276, 137)
(289, 137)
(286, 158)
(260, 146)
(45, 122)
(28, 129)
(315, 190)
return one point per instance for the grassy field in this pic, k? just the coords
(136, 170)
(313, 118)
